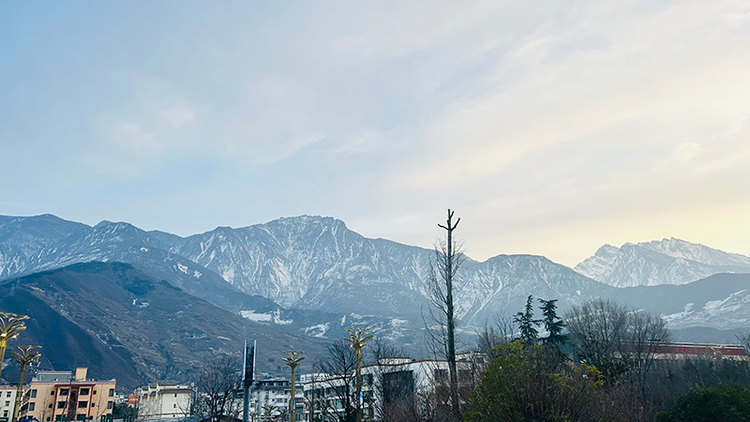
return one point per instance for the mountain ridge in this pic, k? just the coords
(310, 272)
(669, 261)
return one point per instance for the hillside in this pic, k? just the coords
(123, 323)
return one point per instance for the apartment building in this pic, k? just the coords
(270, 394)
(164, 400)
(67, 396)
(7, 402)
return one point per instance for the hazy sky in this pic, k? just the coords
(552, 127)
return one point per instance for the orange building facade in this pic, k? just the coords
(63, 396)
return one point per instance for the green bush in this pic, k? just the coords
(723, 403)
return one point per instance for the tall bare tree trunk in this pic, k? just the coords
(451, 317)
(447, 262)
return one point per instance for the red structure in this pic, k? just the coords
(686, 350)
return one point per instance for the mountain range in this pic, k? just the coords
(669, 261)
(312, 277)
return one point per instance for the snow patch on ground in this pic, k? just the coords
(318, 331)
(257, 317)
(277, 319)
(679, 315)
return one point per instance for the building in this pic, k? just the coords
(270, 393)
(62, 395)
(164, 400)
(7, 402)
(395, 381)
(677, 351)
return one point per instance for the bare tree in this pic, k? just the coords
(617, 340)
(598, 329)
(443, 271)
(492, 335)
(218, 387)
(646, 332)
(744, 339)
(339, 365)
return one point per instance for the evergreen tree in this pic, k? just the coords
(552, 323)
(527, 324)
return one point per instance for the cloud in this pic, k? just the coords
(136, 139)
(551, 127)
(178, 115)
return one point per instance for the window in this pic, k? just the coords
(111, 392)
(61, 405)
(174, 405)
(33, 394)
(50, 406)
(63, 391)
(48, 419)
(93, 404)
(52, 393)
(7, 403)
(109, 405)
(5, 413)
(83, 404)
(94, 392)
(7, 394)
(32, 406)
(84, 392)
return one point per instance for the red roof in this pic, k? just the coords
(701, 349)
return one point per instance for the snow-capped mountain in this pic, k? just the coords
(318, 263)
(306, 263)
(23, 239)
(316, 276)
(669, 261)
(721, 301)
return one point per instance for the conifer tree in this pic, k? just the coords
(551, 322)
(527, 324)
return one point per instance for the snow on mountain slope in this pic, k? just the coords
(319, 271)
(669, 261)
(677, 248)
(318, 263)
(22, 239)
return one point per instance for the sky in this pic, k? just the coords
(551, 127)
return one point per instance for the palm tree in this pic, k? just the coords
(358, 339)
(10, 325)
(24, 356)
(293, 358)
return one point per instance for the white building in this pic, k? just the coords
(7, 402)
(271, 393)
(164, 400)
(392, 381)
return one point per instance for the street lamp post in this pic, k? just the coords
(24, 356)
(358, 338)
(10, 325)
(292, 358)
